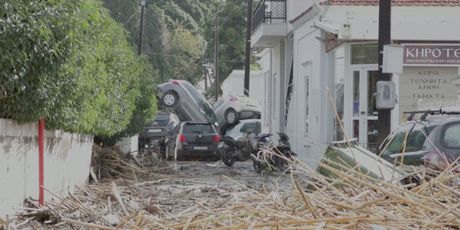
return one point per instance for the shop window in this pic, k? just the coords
(364, 54)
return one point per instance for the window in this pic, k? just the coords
(307, 106)
(416, 135)
(275, 96)
(197, 128)
(451, 137)
(251, 127)
(364, 54)
(306, 73)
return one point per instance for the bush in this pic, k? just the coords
(34, 44)
(90, 80)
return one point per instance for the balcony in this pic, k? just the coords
(268, 23)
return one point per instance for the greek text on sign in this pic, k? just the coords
(431, 55)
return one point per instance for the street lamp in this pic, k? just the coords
(139, 50)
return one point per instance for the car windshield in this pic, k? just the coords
(204, 105)
(197, 128)
(409, 137)
(218, 103)
(251, 127)
(161, 120)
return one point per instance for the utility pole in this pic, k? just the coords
(216, 54)
(384, 116)
(248, 47)
(139, 47)
(205, 71)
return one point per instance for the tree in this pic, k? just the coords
(70, 62)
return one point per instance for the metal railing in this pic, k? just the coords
(269, 11)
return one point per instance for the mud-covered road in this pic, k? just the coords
(217, 173)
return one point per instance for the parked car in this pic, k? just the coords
(182, 98)
(417, 141)
(197, 139)
(161, 132)
(244, 126)
(230, 109)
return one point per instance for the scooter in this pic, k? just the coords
(274, 157)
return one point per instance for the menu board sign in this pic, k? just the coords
(420, 87)
(432, 55)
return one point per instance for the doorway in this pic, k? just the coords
(364, 115)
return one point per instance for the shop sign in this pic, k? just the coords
(427, 86)
(431, 55)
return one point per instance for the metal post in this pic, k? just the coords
(247, 64)
(41, 165)
(141, 31)
(205, 71)
(384, 116)
(216, 54)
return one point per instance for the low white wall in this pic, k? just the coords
(66, 164)
(129, 144)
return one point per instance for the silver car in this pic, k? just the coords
(183, 99)
(230, 109)
(244, 126)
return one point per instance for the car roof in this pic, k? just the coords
(435, 120)
(250, 121)
(195, 123)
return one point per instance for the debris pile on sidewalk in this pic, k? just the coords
(110, 162)
(351, 199)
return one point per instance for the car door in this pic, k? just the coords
(449, 140)
(407, 144)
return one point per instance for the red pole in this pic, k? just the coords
(41, 149)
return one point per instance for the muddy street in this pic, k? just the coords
(216, 173)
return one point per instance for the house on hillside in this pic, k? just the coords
(307, 47)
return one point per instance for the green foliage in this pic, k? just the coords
(167, 24)
(34, 44)
(85, 77)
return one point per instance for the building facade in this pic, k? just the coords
(322, 59)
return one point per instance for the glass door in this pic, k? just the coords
(364, 113)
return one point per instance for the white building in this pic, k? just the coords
(308, 47)
(258, 83)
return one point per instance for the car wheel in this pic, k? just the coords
(170, 98)
(231, 116)
(170, 151)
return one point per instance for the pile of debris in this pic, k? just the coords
(350, 199)
(112, 163)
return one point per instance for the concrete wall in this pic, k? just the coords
(67, 162)
(129, 144)
(310, 120)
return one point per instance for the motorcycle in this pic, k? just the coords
(238, 150)
(274, 157)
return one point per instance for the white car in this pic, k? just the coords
(230, 109)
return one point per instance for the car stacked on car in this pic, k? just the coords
(230, 109)
(201, 125)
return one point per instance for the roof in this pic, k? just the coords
(394, 2)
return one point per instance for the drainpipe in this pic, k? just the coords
(41, 149)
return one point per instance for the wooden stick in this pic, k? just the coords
(117, 195)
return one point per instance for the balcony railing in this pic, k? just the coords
(269, 11)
